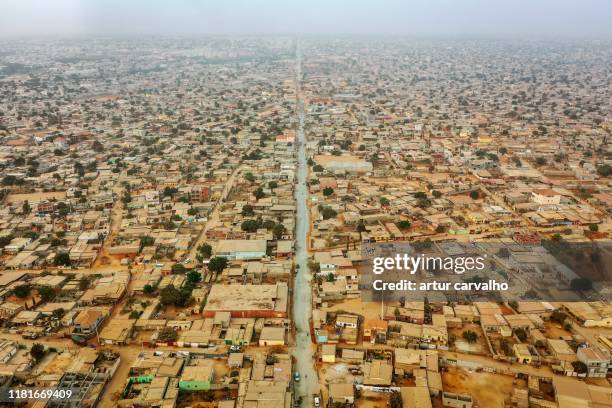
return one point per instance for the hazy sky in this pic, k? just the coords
(567, 18)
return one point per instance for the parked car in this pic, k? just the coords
(296, 377)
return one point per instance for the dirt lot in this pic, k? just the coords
(555, 330)
(35, 197)
(488, 390)
(369, 310)
(462, 345)
(371, 399)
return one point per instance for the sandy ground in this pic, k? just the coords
(371, 399)
(555, 330)
(35, 197)
(370, 310)
(488, 390)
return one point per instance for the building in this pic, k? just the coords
(248, 300)
(596, 359)
(417, 397)
(241, 249)
(86, 323)
(378, 373)
(341, 393)
(328, 353)
(272, 336)
(117, 332)
(450, 399)
(545, 196)
(198, 377)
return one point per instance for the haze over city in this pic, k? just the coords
(549, 18)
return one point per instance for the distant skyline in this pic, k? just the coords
(549, 18)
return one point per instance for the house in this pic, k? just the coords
(198, 377)
(9, 309)
(328, 353)
(572, 393)
(596, 359)
(377, 372)
(415, 397)
(117, 332)
(351, 356)
(88, 321)
(522, 353)
(16, 245)
(341, 393)
(562, 352)
(375, 330)
(272, 336)
(545, 196)
(346, 320)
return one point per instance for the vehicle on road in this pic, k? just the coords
(296, 377)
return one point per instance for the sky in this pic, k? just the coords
(542, 18)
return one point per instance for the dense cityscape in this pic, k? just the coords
(185, 222)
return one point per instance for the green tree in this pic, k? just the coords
(178, 269)
(247, 210)
(249, 177)
(61, 259)
(46, 293)
(470, 336)
(217, 264)
(205, 250)
(278, 231)
(327, 191)
(259, 193)
(328, 213)
(384, 202)
(474, 195)
(84, 283)
(194, 276)
(403, 224)
(37, 351)
(22, 291)
(604, 170)
(250, 225)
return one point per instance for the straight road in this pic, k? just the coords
(214, 215)
(302, 293)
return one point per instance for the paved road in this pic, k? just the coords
(214, 215)
(302, 294)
